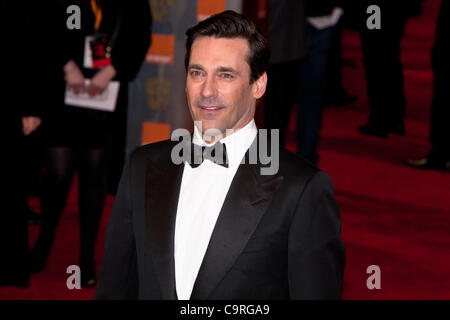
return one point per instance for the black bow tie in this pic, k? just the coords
(216, 153)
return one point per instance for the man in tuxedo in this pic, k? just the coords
(222, 229)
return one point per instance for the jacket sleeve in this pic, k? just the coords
(132, 40)
(118, 278)
(316, 256)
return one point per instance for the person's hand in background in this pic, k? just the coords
(29, 124)
(100, 80)
(74, 77)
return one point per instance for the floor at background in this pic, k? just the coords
(395, 217)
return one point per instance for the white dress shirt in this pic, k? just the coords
(203, 191)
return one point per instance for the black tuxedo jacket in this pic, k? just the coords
(276, 237)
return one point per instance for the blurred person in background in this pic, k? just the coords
(21, 116)
(439, 156)
(287, 39)
(382, 63)
(335, 93)
(78, 138)
(299, 78)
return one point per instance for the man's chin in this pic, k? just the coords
(208, 126)
(212, 132)
(209, 130)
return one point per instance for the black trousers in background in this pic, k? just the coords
(384, 73)
(13, 225)
(303, 82)
(280, 95)
(34, 147)
(440, 108)
(116, 149)
(333, 84)
(61, 163)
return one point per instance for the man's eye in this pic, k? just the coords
(226, 75)
(196, 73)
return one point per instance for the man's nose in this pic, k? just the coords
(209, 88)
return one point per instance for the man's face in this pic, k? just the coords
(218, 86)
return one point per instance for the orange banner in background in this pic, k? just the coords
(208, 7)
(262, 9)
(154, 132)
(161, 49)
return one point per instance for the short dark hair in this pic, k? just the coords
(229, 24)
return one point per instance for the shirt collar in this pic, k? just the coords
(237, 143)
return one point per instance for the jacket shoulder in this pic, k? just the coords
(158, 152)
(293, 161)
(295, 167)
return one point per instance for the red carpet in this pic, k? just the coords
(392, 216)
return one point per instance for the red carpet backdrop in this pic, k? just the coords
(393, 216)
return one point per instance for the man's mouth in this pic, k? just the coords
(210, 108)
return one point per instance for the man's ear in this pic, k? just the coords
(259, 86)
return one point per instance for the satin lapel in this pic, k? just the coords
(162, 190)
(245, 204)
